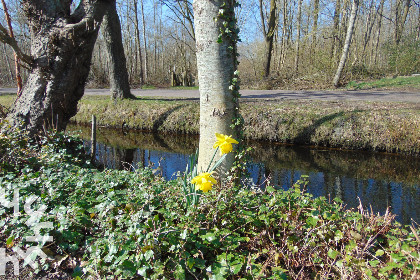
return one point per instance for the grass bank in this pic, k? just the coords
(389, 127)
(132, 225)
(402, 82)
(356, 125)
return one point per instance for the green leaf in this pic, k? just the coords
(142, 271)
(333, 253)
(179, 272)
(270, 189)
(235, 268)
(312, 221)
(379, 252)
(9, 241)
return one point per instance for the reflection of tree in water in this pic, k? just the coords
(124, 158)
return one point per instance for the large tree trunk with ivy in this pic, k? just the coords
(216, 64)
(61, 49)
(118, 75)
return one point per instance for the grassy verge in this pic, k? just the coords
(117, 224)
(375, 126)
(412, 82)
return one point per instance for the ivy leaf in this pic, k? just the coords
(312, 221)
(333, 253)
(379, 252)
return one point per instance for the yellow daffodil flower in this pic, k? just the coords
(224, 142)
(204, 181)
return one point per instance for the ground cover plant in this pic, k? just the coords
(132, 225)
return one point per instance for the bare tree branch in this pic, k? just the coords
(5, 38)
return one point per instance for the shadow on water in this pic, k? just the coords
(379, 180)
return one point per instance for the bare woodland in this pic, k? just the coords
(285, 43)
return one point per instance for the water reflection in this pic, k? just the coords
(379, 180)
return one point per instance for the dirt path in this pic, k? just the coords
(365, 95)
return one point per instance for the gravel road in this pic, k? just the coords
(365, 95)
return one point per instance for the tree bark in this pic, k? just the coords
(8, 63)
(381, 9)
(144, 43)
(315, 27)
(216, 67)
(299, 19)
(400, 19)
(336, 20)
(61, 45)
(347, 43)
(268, 34)
(118, 75)
(138, 46)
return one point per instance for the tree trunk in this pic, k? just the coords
(138, 47)
(299, 19)
(283, 35)
(400, 20)
(61, 46)
(336, 20)
(144, 43)
(216, 67)
(8, 63)
(315, 27)
(369, 25)
(347, 43)
(378, 35)
(268, 34)
(118, 76)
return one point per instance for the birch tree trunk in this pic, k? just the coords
(61, 47)
(118, 76)
(216, 67)
(347, 43)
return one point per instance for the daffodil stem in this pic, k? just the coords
(211, 161)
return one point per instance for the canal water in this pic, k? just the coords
(377, 180)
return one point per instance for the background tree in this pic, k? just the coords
(268, 28)
(352, 20)
(17, 60)
(118, 76)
